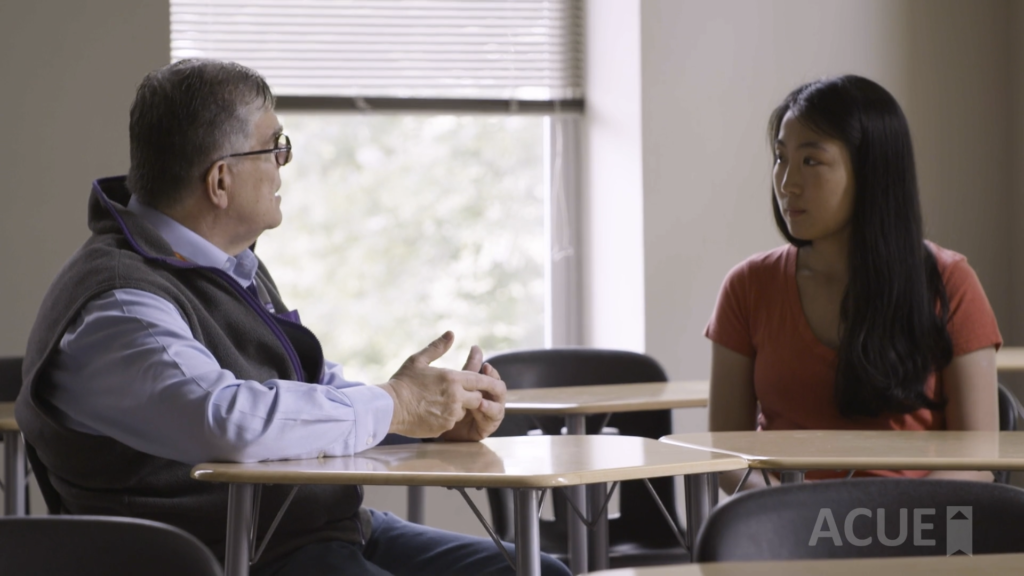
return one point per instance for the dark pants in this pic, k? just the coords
(400, 548)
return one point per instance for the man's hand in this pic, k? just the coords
(481, 423)
(429, 402)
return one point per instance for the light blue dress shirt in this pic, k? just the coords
(129, 368)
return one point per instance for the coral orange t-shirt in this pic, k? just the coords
(759, 315)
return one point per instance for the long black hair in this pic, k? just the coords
(895, 309)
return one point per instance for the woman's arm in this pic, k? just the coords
(732, 404)
(969, 383)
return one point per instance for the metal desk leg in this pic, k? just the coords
(596, 495)
(701, 495)
(14, 474)
(791, 476)
(527, 532)
(577, 424)
(237, 553)
(418, 504)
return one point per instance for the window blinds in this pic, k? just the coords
(519, 51)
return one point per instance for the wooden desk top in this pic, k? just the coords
(7, 423)
(1010, 359)
(865, 449)
(986, 565)
(511, 462)
(607, 398)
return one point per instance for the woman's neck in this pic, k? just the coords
(827, 257)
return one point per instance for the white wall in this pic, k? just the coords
(612, 203)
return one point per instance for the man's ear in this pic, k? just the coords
(218, 184)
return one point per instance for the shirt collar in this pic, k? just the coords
(195, 248)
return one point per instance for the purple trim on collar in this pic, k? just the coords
(253, 303)
(291, 316)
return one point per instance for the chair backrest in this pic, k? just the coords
(100, 545)
(1008, 409)
(640, 519)
(10, 385)
(10, 378)
(841, 519)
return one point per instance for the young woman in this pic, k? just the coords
(857, 323)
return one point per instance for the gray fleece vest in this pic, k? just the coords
(99, 475)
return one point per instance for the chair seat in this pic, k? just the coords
(635, 554)
(630, 554)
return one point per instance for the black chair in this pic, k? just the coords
(640, 536)
(10, 378)
(10, 385)
(100, 545)
(793, 521)
(1008, 410)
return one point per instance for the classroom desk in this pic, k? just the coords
(14, 462)
(1010, 359)
(795, 451)
(583, 400)
(575, 403)
(986, 565)
(528, 464)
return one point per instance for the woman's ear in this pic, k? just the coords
(217, 184)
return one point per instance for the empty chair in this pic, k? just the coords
(10, 378)
(100, 545)
(842, 519)
(10, 385)
(1008, 410)
(639, 536)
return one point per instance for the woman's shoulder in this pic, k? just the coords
(972, 323)
(946, 258)
(956, 272)
(761, 272)
(773, 262)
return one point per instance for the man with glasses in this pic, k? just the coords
(163, 343)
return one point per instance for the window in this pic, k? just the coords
(398, 227)
(433, 185)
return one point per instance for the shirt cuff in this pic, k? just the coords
(373, 410)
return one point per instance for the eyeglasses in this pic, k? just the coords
(282, 151)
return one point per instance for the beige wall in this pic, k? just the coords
(712, 72)
(68, 71)
(1015, 204)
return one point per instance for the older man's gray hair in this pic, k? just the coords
(185, 116)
